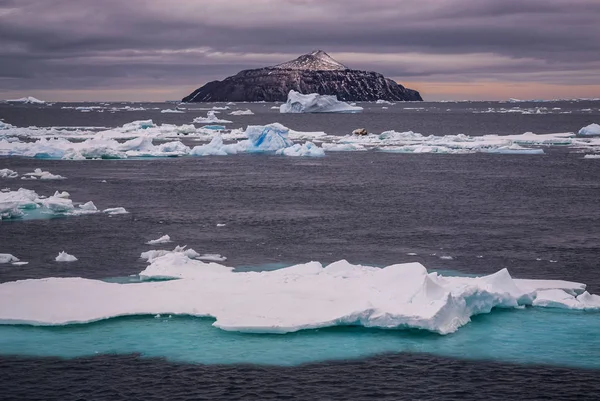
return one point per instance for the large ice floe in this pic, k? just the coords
(211, 118)
(315, 103)
(26, 100)
(304, 296)
(25, 203)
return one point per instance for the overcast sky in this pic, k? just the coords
(157, 50)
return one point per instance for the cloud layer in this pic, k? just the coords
(147, 49)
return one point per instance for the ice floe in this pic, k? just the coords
(595, 156)
(590, 130)
(7, 173)
(210, 118)
(247, 112)
(304, 296)
(43, 175)
(315, 103)
(8, 258)
(176, 111)
(25, 203)
(65, 257)
(162, 240)
(115, 210)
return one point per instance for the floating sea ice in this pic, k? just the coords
(446, 257)
(380, 101)
(149, 256)
(115, 210)
(172, 111)
(597, 156)
(342, 147)
(315, 103)
(210, 118)
(8, 258)
(247, 112)
(590, 130)
(88, 206)
(44, 175)
(212, 257)
(162, 240)
(6, 173)
(305, 149)
(65, 257)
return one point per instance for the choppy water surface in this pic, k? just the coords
(535, 215)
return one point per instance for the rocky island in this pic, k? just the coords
(315, 72)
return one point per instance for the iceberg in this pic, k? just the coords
(300, 297)
(115, 210)
(162, 240)
(7, 173)
(247, 112)
(211, 118)
(315, 103)
(590, 130)
(26, 100)
(65, 257)
(595, 156)
(306, 149)
(43, 175)
(172, 111)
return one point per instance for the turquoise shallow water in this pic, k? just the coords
(525, 336)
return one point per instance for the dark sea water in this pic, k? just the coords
(536, 215)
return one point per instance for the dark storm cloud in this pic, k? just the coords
(67, 44)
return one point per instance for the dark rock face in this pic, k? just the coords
(310, 73)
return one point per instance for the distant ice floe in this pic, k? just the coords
(590, 130)
(211, 118)
(162, 240)
(247, 112)
(315, 103)
(65, 257)
(115, 210)
(380, 101)
(7, 173)
(8, 258)
(26, 100)
(300, 297)
(25, 203)
(594, 156)
(176, 111)
(38, 174)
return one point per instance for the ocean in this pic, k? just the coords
(459, 213)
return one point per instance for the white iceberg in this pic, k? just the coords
(162, 240)
(149, 256)
(177, 111)
(305, 296)
(211, 118)
(315, 103)
(44, 175)
(65, 257)
(590, 130)
(595, 156)
(88, 206)
(26, 100)
(305, 149)
(381, 101)
(212, 257)
(247, 112)
(7, 173)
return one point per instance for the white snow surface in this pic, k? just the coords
(65, 257)
(318, 60)
(304, 296)
(162, 240)
(590, 130)
(315, 103)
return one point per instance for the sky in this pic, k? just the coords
(154, 50)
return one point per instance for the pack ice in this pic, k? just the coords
(304, 296)
(315, 103)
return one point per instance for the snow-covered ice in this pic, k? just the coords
(596, 156)
(7, 173)
(43, 175)
(304, 296)
(176, 111)
(315, 103)
(115, 210)
(590, 130)
(162, 240)
(211, 118)
(65, 257)
(247, 112)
